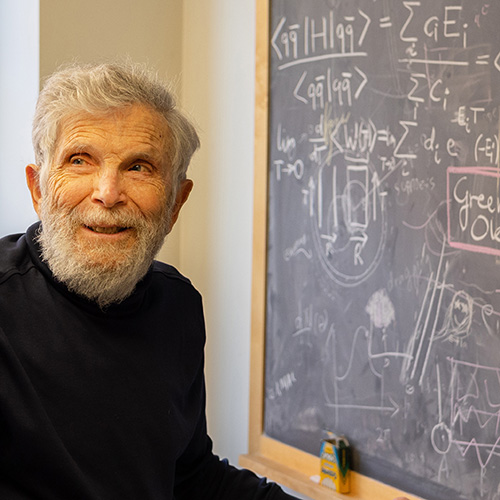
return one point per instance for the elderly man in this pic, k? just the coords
(101, 347)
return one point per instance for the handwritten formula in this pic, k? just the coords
(383, 290)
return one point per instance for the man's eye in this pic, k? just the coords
(77, 160)
(138, 167)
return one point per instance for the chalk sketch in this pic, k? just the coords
(383, 289)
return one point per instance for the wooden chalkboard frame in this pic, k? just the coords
(268, 457)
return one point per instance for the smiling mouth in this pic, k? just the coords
(107, 229)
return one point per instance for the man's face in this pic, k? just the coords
(104, 209)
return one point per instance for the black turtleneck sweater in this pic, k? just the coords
(105, 405)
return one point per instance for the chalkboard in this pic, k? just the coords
(383, 238)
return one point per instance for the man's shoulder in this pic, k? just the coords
(14, 256)
(166, 271)
(169, 283)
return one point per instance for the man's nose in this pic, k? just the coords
(108, 188)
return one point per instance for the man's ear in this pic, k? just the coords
(181, 198)
(33, 181)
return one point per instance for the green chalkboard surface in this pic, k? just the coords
(383, 239)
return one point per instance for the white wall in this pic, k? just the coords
(19, 35)
(216, 238)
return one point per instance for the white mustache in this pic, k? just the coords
(99, 219)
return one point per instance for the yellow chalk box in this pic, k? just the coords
(335, 457)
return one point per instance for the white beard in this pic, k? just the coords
(105, 273)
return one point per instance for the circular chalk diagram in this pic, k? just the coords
(349, 222)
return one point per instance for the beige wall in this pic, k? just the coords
(146, 30)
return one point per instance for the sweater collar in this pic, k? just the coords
(129, 305)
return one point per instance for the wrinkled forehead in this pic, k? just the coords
(134, 126)
(130, 115)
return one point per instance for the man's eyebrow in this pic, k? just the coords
(78, 147)
(153, 157)
(146, 155)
